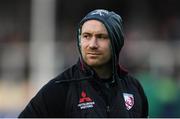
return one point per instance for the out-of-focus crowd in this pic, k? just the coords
(151, 51)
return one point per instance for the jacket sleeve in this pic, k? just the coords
(35, 108)
(145, 107)
(48, 102)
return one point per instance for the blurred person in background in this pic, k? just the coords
(97, 86)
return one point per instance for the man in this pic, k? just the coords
(96, 86)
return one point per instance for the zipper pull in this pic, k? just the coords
(108, 109)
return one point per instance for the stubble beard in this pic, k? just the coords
(97, 63)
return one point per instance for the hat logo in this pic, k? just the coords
(129, 100)
(100, 12)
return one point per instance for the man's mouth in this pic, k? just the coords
(93, 53)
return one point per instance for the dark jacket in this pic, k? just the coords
(78, 92)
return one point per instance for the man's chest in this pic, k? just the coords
(85, 101)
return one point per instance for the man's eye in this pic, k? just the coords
(103, 37)
(86, 36)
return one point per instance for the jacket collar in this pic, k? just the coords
(87, 71)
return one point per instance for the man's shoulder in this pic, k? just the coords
(58, 85)
(130, 78)
(69, 75)
(133, 83)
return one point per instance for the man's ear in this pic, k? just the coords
(79, 41)
(79, 37)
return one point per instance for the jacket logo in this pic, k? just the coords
(129, 100)
(85, 101)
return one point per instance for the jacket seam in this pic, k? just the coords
(72, 80)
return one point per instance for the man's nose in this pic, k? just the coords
(93, 43)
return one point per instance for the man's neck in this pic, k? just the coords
(104, 72)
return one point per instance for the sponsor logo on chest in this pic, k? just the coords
(85, 102)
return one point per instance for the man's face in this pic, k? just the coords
(95, 44)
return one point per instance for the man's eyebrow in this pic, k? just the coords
(102, 34)
(86, 33)
(96, 34)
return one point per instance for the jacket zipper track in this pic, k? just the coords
(108, 110)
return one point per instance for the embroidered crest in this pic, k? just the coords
(129, 100)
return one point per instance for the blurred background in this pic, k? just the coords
(38, 41)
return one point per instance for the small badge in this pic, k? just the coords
(129, 100)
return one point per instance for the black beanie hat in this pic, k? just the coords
(113, 24)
